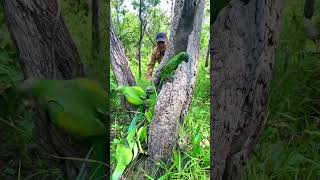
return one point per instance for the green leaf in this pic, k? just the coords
(131, 136)
(123, 158)
(140, 147)
(123, 154)
(118, 171)
(143, 134)
(135, 150)
(139, 133)
(196, 144)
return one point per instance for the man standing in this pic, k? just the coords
(157, 53)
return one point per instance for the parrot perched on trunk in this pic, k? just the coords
(77, 106)
(172, 65)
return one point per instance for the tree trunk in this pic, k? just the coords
(243, 44)
(46, 51)
(309, 9)
(98, 65)
(120, 66)
(142, 28)
(95, 33)
(175, 97)
(117, 14)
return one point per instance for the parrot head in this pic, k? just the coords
(120, 89)
(184, 56)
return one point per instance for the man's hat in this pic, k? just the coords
(161, 37)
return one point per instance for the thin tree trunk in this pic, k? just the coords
(175, 97)
(120, 66)
(244, 39)
(46, 51)
(141, 36)
(118, 20)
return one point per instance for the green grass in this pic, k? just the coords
(289, 147)
(188, 163)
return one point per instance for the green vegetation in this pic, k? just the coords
(192, 161)
(289, 147)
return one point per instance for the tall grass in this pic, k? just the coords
(289, 147)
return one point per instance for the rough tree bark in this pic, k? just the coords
(46, 51)
(309, 9)
(175, 97)
(243, 43)
(120, 66)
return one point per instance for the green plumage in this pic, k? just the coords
(77, 106)
(73, 105)
(172, 65)
(135, 95)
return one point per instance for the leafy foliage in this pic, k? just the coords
(128, 148)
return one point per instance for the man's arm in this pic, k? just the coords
(151, 64)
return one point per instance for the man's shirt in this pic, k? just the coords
(156, 56)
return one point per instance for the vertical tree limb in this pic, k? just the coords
(243, 43)
(175, 97)
(120, 66)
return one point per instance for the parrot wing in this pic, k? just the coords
(72, 105)
(139, 91)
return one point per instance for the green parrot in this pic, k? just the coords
(172, 65)
(135, 95)
(77, 106)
